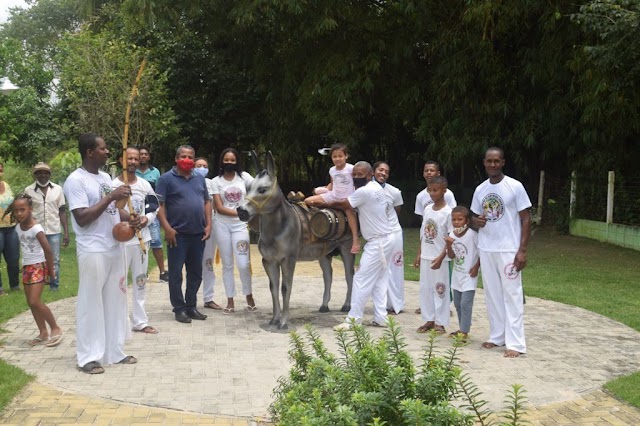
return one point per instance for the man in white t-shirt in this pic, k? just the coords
(137, 260)
(501, 208)
(102, 319)
(395, 295)
(376, 217)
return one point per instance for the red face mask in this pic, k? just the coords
(185, 164)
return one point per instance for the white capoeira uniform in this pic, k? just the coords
(135, 259)
(395, 295)
(423, 199)
(375, 215)
(102, 317)
(498, 243)
(231, 234)
(434, 283)
(208, 259)
(465, 249)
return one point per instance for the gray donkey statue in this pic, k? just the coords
(285, 238)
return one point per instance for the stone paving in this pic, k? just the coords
(223, 370)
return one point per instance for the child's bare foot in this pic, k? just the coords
(355, 248)
(510, 353)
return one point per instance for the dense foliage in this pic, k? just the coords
(551, 82)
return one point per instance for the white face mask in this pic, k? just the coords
(41, 185)
(461, 229)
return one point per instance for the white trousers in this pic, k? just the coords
(232, 239)
(208, 274)
(503, 295)
(102, 314)
(434, 293)
(138, 264)
(372, 279)
(395, 295)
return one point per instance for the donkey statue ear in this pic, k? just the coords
(271, 167)
(256, 163)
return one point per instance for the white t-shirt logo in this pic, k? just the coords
(460, 250)
(430, 231)
(104, 191)
(511, 272)
(233, 195)
(493, 207)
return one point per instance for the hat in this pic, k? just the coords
(41, 167)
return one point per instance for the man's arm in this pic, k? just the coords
(62, 213)
(208, 212)
(520, 261)
(85, 215)
(169, 232)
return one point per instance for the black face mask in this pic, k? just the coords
(229, 167)
(358, 182)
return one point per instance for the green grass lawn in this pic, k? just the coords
(599, 277)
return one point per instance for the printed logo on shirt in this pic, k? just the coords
(440, 290)
(511, 272)
(242, 247)
(122, 284)
(397, 258)
(141, 281)
(104, 191)
(233, 195)
(493, 207)
(430, 231)
(28, 243)
(209, 264)
(460, 250)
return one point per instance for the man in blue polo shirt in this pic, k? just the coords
(185, 215)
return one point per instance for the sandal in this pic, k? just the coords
(148, 330)
(128, 360)
(228, 311)
(212, 305)
(253, 308)
(91, 368)
(426, 327)
(439, 329)
(54, 341)
(36, 341)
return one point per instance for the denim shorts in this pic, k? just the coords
(156, 239)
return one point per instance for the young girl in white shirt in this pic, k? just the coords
(37, 269)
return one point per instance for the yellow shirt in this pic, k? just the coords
(5, 201)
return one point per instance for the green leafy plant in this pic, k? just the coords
(375, 382)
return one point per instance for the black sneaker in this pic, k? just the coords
(164, 277)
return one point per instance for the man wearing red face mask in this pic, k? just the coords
(185, 215)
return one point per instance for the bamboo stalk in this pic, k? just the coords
(125, 140)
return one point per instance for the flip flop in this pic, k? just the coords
(148, 330)
(439, 329)
(228, 311)
(91, 368)
(35, 341)
(213, 305)
(251, 308)
(426, 327)
(128, 360)
(54, 341)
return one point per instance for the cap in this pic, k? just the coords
(41, 166)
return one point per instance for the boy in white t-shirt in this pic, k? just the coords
(462, 247)
(37, 269)
(432, 260)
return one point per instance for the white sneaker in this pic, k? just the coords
(342, 326)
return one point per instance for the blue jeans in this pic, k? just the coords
(10, 249)
(154, 230)
(187, 252)
(54, 242)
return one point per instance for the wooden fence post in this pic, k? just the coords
(538, 217)
(572, 195)
(610, 188)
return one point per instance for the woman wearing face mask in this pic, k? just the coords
(9, 243)
(208, 274)
(231, 234)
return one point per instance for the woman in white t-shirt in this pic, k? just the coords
(37, 270)
(230, 233)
